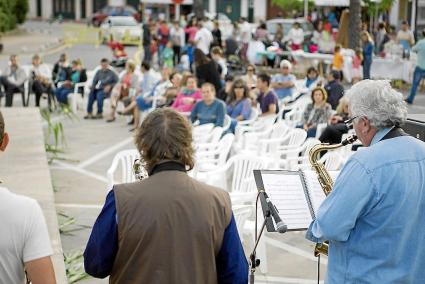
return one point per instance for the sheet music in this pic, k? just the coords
(287, 194)
(316, 193)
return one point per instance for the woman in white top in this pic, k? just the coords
(296, 36)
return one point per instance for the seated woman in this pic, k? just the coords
(78, 75)
(250, 78)
(189, 95)
(239, 106)
(319, 111)
(312, 79)
(336, 127)
(210, 109)
(122, 91)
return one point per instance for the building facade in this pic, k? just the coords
(254, 10)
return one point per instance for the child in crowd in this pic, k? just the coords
(168, 55)
(312, 78)
(338, 60)
(184, 64)
(357, 66)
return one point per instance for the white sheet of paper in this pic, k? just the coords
(316, 193)
(287, 194)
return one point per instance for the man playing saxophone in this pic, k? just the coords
(374, 216)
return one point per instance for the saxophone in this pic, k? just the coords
(324, 178)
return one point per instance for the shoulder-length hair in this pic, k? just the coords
(200, 57)
(238, 83)
(321, 89)
(165, 135)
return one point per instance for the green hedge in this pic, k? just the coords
(12, 12)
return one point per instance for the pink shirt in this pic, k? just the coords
(192, 32)
(356, 62)
(180, 106)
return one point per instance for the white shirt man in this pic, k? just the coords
(296, 35)
(24, 240)
(203, 39)
(245, 28)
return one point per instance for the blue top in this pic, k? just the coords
(419, 48)
(102, 248)
(368, 51)
(374, 217)
(213, 113)
(242, 107)
(284, 92)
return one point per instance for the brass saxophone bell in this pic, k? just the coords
(139, 169)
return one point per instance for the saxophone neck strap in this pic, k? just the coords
(396, 131)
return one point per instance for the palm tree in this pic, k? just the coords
(355, 23)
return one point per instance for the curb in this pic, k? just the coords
(44, 49)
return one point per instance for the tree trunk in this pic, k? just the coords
(355, 24)
(198, 8)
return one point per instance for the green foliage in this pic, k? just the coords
(12, 12)
(21, 10)
(292, 5)
(374, 8)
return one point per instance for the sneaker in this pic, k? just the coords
(98, 116)
(112, 119)
(88, 116)
(408, 102)
(131, 122)
(132, 129)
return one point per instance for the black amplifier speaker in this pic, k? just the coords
(415, 126)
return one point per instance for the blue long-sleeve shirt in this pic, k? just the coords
(213, 113)
(374, 217)
(102, 248)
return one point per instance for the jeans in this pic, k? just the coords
(310, 133)
(366, 68)
(10, 89)
(62, 94)
(417, 77)
(96, 95)
(148, 55)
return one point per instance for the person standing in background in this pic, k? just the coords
(367, 43)
(419, 73)
(178, 39)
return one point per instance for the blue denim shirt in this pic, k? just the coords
(375, 216)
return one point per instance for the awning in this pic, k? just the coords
(165, 2)
(338, 3)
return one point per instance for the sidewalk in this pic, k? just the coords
(31, 38)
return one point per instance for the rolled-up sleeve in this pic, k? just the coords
(353, 196)
(102, 246)
(232, 266)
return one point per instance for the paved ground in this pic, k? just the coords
(81, 186)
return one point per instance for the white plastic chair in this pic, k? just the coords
(227, 122)
(293, 138)
(210, 156)
(241, 214)
(125, 159)
(297, 157)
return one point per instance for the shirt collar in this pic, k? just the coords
(380, 134)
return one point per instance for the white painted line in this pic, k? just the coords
(275, 279)
(295, 250)
(73, 205)
(105, 153)
(65, 166)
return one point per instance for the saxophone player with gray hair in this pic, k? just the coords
(374, 216)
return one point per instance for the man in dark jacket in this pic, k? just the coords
(334, 88)
(103, 82)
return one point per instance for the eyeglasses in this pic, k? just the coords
(250, 70)
(349, 122)
(238, 87)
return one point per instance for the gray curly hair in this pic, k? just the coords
(379, 102)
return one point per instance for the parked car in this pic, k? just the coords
(99, 17)
(287, 25)
(125, 30)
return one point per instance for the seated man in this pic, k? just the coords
(24, 240)
(13, 80)
(334, 88)
(284, 83)
(267, 99)
(103, 82)
(41, 81)
(209, 109)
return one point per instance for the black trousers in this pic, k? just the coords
(10, 89)
(177, 52)
(39, 88)
(333, 133)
